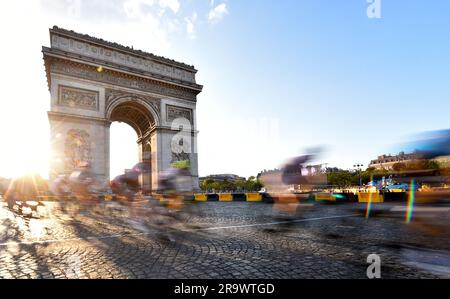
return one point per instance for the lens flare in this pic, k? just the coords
(411, 197)
(369, 202)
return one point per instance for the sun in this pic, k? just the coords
(19, 158)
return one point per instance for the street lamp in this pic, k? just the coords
(358, 166)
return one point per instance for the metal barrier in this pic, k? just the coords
(394, 196)
(267, 198)
(239, 197)
(213, 197)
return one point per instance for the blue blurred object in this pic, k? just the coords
(432, 144)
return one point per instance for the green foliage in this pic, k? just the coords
(342, 178)
(250, 184)
(345, 178)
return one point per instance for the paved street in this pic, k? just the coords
(216, 240)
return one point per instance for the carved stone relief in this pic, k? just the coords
(77, 98)
(77, 148)
(111, 95)
(120, 79)
(174, 112)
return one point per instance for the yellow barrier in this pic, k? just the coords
(253, 196)
(374, 197)
(200, 197)
(109, 197)
(324, 196)
(225, 197)
(429, 196)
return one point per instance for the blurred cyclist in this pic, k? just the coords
(60, 186)
(286, 204)
(176, 184)
(82, 182)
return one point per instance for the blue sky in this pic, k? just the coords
(331, 75)
(278, 76)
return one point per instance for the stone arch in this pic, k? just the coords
(129, 104)
(88, 93)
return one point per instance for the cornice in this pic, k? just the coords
(116, 46)
(88, 71)
(53, 115)
(57, 53)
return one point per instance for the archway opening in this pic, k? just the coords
(124, 152)
(140, 119)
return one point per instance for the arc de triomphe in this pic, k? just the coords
(93, 83)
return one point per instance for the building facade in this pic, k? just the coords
(388, 161)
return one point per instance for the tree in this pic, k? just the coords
(253, 184)
(342, 178)
(207, 184)
(250, 184)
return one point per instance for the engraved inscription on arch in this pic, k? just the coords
(90, 50)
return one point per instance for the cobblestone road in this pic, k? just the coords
(216, 240)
